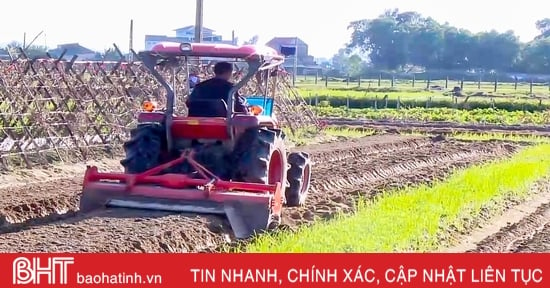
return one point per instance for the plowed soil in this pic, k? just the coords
(342, 172)
(540, 242)
(530, 233)
(43, 195)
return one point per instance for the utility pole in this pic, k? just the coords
(131, 44)
(295, 73)
(198, 22)
(33, 39)
(198, 25)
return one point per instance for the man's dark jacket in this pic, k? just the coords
(217, 88)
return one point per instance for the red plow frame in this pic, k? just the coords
(249, 207)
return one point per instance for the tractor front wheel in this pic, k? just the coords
(298, 176)
(143, 150)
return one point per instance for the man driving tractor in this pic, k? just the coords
(217, 88)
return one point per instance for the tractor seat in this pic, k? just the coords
(207, 108)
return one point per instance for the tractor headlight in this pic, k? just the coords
(256, 110)
(185, 47)
(149, 106)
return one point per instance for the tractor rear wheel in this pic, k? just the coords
(259, 156)
(143, 150)
(298, 177)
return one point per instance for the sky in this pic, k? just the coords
(321, 24)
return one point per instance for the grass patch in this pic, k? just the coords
(302, 136)
(307, 136)
(416, 219)
(499, 136)
(348, 132)
(460, 135)
(489, 136)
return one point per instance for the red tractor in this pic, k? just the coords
(235, 165)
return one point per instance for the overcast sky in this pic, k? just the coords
(321, 24)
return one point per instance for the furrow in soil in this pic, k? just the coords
(336, 185)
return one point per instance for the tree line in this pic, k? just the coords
(396, 40)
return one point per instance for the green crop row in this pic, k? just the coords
(405, 96)
(436, 101)
(481, 116)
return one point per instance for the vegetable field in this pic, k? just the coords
(437, 94)
(476, 116)
(408, 179)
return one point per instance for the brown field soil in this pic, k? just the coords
(522, 228)
(43, 194)
(342, 172)
(540, 242)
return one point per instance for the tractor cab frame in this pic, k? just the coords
(257, 59)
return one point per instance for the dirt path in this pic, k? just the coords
(522, 228)
(341, 172)
(439, 127)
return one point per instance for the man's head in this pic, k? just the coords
(223, 70)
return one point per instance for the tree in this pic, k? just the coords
(543, 26)
(355, 65)
(346, 65)
(458, 45)
(495, 50)
(395, 39)
(536, 56)
(426, 44)
(383, 39)
(340, 61)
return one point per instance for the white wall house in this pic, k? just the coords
(186, 34)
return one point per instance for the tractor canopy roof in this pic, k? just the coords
(246, 52)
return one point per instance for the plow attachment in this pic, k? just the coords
(249, 207)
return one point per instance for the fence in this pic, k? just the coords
(52, 110)
(489, 83)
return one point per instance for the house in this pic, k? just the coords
(4, 55)
(187, 34)
(72, 49)
(306, 63)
